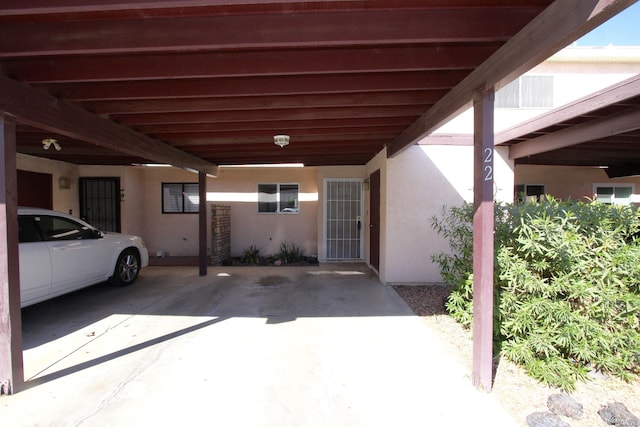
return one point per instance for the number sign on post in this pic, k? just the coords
(483, 242)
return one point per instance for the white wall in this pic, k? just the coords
(420, 181)
(238, 188)
(577, 72)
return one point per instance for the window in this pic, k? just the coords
(278, 198)
(613, 194)
(33, 228)
(180, 198)
(529, 193)
(526, 92)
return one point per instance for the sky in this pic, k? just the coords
(621, 30)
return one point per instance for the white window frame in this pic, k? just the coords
(522, 98)
(614, 201)
(279, 209)
(185, 196)
(529, 197)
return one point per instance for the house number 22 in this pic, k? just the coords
(488, 164)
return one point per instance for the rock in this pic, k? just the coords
(277, 262)
(545, 419)
(563, 404)
(618, 415)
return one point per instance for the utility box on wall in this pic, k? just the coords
(220, 234)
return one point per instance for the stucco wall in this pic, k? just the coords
(420, 181)
(238, 187)
(564, 182)
(64, 199)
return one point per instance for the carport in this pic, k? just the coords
(202, 84)
(599, 130)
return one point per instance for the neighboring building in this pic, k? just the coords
(331, 212)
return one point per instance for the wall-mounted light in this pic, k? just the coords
(64, 183)
(366, 184)
(48, 142)
(281, 140)
(122, 194)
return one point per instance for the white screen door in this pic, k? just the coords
(343, 219)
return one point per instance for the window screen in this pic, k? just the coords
(526, 92)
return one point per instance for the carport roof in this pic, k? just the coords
(601, 129)
(205, 83)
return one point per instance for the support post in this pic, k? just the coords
(11, 363)
(202, 223)
(483, 257)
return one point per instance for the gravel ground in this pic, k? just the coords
(516, 391)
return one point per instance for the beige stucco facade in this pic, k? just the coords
(414, 186)
(571, 183)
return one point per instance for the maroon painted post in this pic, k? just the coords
(202, 223)
(11, 366)
(483, 220)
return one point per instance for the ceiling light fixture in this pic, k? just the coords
(281, 140)
(48, 142)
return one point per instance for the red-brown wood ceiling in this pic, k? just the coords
(342, 78)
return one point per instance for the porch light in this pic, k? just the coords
(281, 140)
(48, 142)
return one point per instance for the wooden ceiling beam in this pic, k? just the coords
(256, 31)
(625, 121)
(43, 111)
(557, 26)
(278, 126)
(17, 10)
(265, 115)
(345, 147)
(37, 135)
(282, 85)
(248, 64)
(262, 141)
(414, 97)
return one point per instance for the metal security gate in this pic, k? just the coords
(100, 202)
(343, 219)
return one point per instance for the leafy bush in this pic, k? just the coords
(250, 255)
(567, 286)
(289, 254)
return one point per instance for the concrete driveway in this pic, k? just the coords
(287, 346)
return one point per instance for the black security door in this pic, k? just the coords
(100, 202)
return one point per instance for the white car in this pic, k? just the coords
(60, 253)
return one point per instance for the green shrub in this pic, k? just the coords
(250, 255)
(567, 286)
(289, 254)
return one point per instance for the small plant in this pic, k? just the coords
(289, 254)
(251, 255)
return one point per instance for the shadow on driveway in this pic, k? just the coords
(242, 346)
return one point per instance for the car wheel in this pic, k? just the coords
(127, 268)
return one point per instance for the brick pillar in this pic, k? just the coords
(220, 234)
